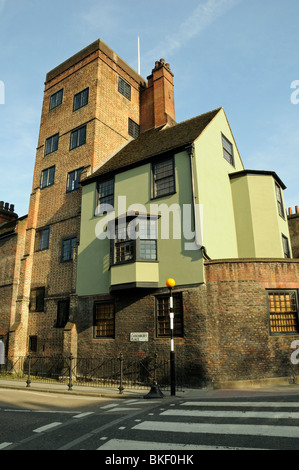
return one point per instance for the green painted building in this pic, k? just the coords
(184, 193)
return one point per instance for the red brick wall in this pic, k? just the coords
(226, 325)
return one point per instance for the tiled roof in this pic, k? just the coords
(154, 142)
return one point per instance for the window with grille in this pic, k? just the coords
(68, 245)
(105, 196)
(51, 144)
(104, 320)
(279, 200)
(163, 178)
(73, 180)
(56, 99)
(81, 99)
(78, 137)
(47, 177)
(283, 312)
(124, 88)
(134, 129)
(162, 316)
(228, 151)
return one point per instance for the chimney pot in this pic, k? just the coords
(290, 211)
(1, 204)
(12, 208)
(162, 61)
(6, 207)
(297, 209)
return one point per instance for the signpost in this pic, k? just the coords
(170, 284)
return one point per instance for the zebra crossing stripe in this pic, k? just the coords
(232, 414)
(251, 404)
(206, 428)
(123, 444)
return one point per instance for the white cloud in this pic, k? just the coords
(199, 20)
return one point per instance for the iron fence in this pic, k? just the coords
(117, 372)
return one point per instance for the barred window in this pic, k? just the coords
(162, 316)
(283, 312)
(81, 99)
(51, 144)
(228, 151)
(104, 321)
(163, 178)
(124, 88)
(56, 99)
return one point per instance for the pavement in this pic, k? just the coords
(152, 393)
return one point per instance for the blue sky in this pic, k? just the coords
(239, 54)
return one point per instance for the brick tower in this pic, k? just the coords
(91, 108)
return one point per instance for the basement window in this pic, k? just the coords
(124, 88)
(283, 312)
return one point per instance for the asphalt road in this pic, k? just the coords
(31, 420)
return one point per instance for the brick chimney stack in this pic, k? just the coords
(7, 213)
(157, 100)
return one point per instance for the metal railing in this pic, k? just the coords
(117, 372)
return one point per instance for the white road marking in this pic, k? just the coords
(82, 415)
(205, 428)
(5, 444)
(122, 444)
(47, 427)
(251, 404)
(232, 414)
